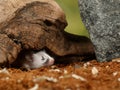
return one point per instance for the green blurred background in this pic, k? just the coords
(75, 25)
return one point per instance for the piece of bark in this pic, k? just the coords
(38, 24)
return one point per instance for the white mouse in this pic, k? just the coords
(37, 60)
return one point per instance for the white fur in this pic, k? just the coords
(38, 60)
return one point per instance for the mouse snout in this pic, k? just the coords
(51, 62)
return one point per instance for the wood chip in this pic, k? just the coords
(115, 73)
(116, 60)
(36, 87)
(50, 79)
(5, 71)
(55, 70)
(86, 64)
(78, 77)
(94, 71)
(119, 79)
(65, 71)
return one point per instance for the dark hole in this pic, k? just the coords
(48, 23)
(11, 36)
(16, 41)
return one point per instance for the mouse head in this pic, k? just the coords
(37, 60)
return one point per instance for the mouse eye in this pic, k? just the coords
(43, 58)
(46, 62)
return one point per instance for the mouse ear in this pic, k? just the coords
(29, 57)
(44, 50)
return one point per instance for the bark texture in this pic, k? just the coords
(34, 25)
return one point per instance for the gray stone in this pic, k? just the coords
(102, 19)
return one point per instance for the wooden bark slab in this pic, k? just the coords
(34, 25)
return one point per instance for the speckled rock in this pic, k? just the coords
(102, 19)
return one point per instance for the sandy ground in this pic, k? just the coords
(78, 76)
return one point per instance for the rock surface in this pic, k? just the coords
(102, 19)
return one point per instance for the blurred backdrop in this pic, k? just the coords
(75, 25)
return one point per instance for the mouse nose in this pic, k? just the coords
(51, 62)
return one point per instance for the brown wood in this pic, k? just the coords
(34, 25)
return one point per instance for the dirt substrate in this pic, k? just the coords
(79, 76)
